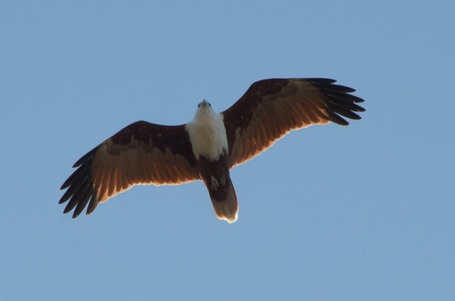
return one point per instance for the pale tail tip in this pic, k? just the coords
(229, 219)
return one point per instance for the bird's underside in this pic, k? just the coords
(207, 147)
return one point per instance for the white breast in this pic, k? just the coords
(207, 134)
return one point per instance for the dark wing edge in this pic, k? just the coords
(141, 153)
(271, 108)
(339, 101)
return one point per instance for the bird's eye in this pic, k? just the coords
(199, 105)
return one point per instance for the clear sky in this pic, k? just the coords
(364, 212)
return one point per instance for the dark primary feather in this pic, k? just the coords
(80, 187)
(339, 101)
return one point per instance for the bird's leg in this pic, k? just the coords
(214, 183)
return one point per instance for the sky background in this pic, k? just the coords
(364, 212)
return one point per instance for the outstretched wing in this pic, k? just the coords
(271, 108)
(141, 153)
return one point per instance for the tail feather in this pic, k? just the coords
(224, 199)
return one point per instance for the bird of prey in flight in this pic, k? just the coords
(207, 147)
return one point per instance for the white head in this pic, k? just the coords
(204, 106)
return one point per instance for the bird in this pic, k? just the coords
(209, 146)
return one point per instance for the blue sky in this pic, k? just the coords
(364, 212)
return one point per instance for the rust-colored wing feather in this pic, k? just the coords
(141, 153)
(271, 108)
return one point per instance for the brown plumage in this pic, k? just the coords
(146, 153)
